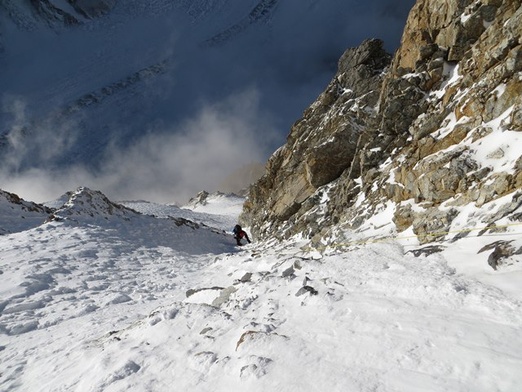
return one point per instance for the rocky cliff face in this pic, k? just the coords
(427, 137)
(322, 145)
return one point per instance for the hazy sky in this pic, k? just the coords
(210, 110)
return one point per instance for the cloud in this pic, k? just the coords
(172, 135)
(173, 165)
(166, 166)
(32, 141)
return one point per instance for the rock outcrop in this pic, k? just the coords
(427, 135)
(87, 204)
(322, 145)
(18, 214)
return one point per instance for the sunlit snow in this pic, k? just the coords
(131, 302)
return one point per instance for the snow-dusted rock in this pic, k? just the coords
(437, 146)
(92, 8)
(320, 146)
(86, 204)
(19, 215)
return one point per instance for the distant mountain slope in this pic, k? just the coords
(217, 210)
(85, 204)
(143, 221)
(261, 12)
(111, 76)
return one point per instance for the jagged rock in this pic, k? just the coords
(246, 278)
(453, 25)
(516, 118)
(407, 132)
(427, 250)
(19, 215)
(255, 335)
(200, 198)
(403, 217)
(23, 205)
(191, 292)
(332, 128)
(508, 210)
(306, 289)
(501, 251)
(433, 225)
(289, 272)
(205, 330)
(87, 204)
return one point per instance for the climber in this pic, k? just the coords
(239, 233)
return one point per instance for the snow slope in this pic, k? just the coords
(104, 301)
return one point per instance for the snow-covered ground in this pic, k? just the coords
(103, 298)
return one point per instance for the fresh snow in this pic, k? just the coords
(104, 298)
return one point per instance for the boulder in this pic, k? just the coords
(502, 250)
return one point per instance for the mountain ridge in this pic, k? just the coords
(106, 86)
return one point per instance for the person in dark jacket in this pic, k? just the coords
(239, 234)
